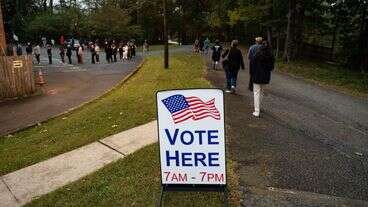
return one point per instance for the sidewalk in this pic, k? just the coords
(22, 186)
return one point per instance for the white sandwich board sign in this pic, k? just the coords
(192, 137)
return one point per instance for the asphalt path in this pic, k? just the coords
(309, 148)
(67, 86)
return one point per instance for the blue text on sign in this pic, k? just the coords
(187, 137)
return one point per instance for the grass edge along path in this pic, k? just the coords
(332, 76)
(133, 181)
(128, 105)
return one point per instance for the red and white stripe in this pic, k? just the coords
(197, 110)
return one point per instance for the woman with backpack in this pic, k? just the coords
(261, 74)
(232, 62)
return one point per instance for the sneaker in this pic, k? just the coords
(256, 114)
(233, 89)
(227, 91)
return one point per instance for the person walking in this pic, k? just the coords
(80, 55)
(133, 48)
(233, 61)
(97, 52)
(251, 53)
(49, 53)
(37, 53)
(125, 53)
(216, 53)
(62, 53)
(19, 50)
(69, 50)
(114, 51)
(206, 45)
(130, 48)
(120, 51)
(93, 53)
(29, 49)
(107, 51)
(145, 47)
(196, 46)
(261, 73)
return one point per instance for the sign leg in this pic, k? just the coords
(226, 199)
(159, 201)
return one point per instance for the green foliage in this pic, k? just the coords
(111, 22)
(336, 24)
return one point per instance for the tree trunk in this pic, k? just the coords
(44, 5)
(51, 5)
(2, 34)
(363, 41)
(289, 35)
(294, 31)
(278, 45)
(269, 35)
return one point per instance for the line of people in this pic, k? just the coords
(124, 51)
(261, 63)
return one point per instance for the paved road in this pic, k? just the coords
(310, 144)
(67, 87)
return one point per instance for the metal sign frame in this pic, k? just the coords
(193, 187)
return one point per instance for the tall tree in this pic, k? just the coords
(294, 31)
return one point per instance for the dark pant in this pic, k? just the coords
(62, 57)
(38, 59)
(93, 58)
(70, 59)
(231, 77)
(97, 58)
(50, 59)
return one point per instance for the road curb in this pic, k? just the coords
(124, 80)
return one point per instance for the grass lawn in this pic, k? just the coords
(331, 75)
(158, 47)
(132, 181)
(129, 105)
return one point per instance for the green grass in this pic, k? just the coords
(129, 105)
(334, 76)
(132, 181)
(158, 47)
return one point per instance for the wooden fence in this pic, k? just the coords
(16, 76)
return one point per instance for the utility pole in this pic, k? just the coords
(166, 51)
(2, 33)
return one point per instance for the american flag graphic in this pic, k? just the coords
(184, 108)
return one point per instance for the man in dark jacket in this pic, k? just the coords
(251, 53)
(261, 74)
(233, 61)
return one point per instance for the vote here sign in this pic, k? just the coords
(192, 136)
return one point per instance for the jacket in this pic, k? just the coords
(234, 59)
(263, 65)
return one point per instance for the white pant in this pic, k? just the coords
(258, 95)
